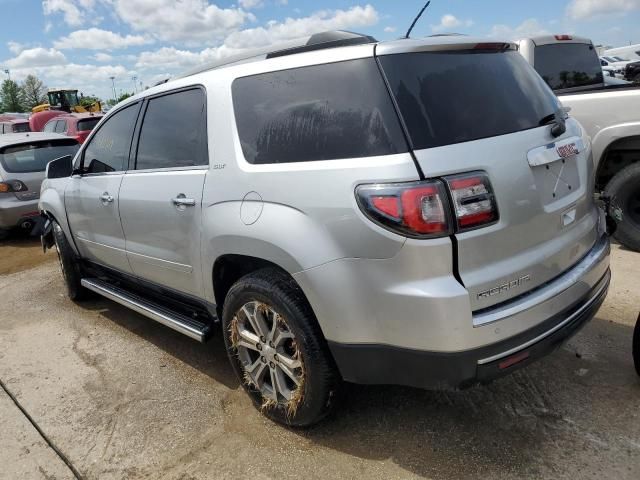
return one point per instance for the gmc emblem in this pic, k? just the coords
(567, 151)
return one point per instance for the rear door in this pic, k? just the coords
(91, 198)
(161, 195)
(483, 110)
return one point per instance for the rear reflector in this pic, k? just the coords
(513, 360)
(473, 200)
(564, 37)
(492, 46)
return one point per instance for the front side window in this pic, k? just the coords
(50, 126)
(322, 112)
(568, 65)
(451, 97)
(108, 150)
(173, 132)
(33, 157)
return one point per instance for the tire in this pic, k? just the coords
(636, 346)
(4, 234)
(266, 298)
(624, 192)
(71, 271)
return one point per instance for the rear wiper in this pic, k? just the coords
(557, 120)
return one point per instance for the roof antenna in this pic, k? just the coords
(416, 19)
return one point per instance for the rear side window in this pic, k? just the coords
(33, 157)
(460, 96)
(108, 150)
(323, 112)
(21, 127)
(173, 132)
(568, 65)
(87, 124)
(61, 126)
(50, 126)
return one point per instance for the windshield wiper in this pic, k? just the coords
(557, 120)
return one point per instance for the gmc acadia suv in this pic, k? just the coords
(414, 212)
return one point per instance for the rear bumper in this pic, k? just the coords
(382, 364)
(13, 212)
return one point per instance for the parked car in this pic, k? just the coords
(76, 125)
(335, 222)
(23, 158)
(632, 72)
(16, 125)
(609, 114)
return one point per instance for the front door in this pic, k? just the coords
(91, 198)
(161, 197)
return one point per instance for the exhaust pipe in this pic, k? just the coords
(27, 225)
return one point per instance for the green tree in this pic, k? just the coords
(10, 97)
(33, 92)
(89, 100)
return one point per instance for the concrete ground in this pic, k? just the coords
(122, 397)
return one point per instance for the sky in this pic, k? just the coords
(82, 43)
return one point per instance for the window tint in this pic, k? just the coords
(173, 132)
(459, 96)
(322, 112)
(108, 150)
(568, 65)
(33, 157)
(87, 124)
(50, 126)
(61, 126)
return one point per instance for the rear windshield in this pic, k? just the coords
(33, 157)
(459, 96)
(21, 127)
(568, 65)
(87, 124)
(322, 112)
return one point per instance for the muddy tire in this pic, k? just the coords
(624, 192)
(636, 346)
(71, 271)
(273, 339)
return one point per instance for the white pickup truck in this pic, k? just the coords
(609, 114)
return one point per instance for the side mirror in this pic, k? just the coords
(60, 167)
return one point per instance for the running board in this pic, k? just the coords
(174, 320)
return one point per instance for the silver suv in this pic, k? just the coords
(414, 212)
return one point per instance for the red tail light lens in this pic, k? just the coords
(473, 200)
(416, 209)
(563, 37)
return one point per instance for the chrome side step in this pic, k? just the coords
(176, 321)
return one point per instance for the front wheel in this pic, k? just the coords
(624, 192)
(277, 349)
(69, 265)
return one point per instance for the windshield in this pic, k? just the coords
(620, 59)
(568, 65)
(457, 96)
(87, 124)
(33, 157)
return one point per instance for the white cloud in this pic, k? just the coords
(98, 39)
(15, 47)
(294, 28)
(248, 4)
(188, 21)
(36, 57)
(73, 10)
(584, 9)
(102, 57)
(448, 22)
(528, 28)
(390, 29)
(173, 58)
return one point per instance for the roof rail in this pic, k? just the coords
(318, 41)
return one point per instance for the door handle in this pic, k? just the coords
(182, 201)
(106, 198)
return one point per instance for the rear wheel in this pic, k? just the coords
(70, 266)
(624, 192)
(277, 349)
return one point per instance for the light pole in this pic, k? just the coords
(6, 70)
(113, 86)
(135, 85)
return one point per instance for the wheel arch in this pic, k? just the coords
(618, 154)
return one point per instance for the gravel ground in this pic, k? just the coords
(122, 397)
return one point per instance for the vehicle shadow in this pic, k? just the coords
(514, 427)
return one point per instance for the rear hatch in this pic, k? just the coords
(25, 163)
(484, 109)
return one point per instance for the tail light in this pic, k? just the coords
(563, 37)
(423, 209)
(12, 186)
(473, 200)
(416, 209)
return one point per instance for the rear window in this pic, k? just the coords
(322, 112)
(568, 65)
(87, 124)
(33, 157)
(21, 127)
(453, 97)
